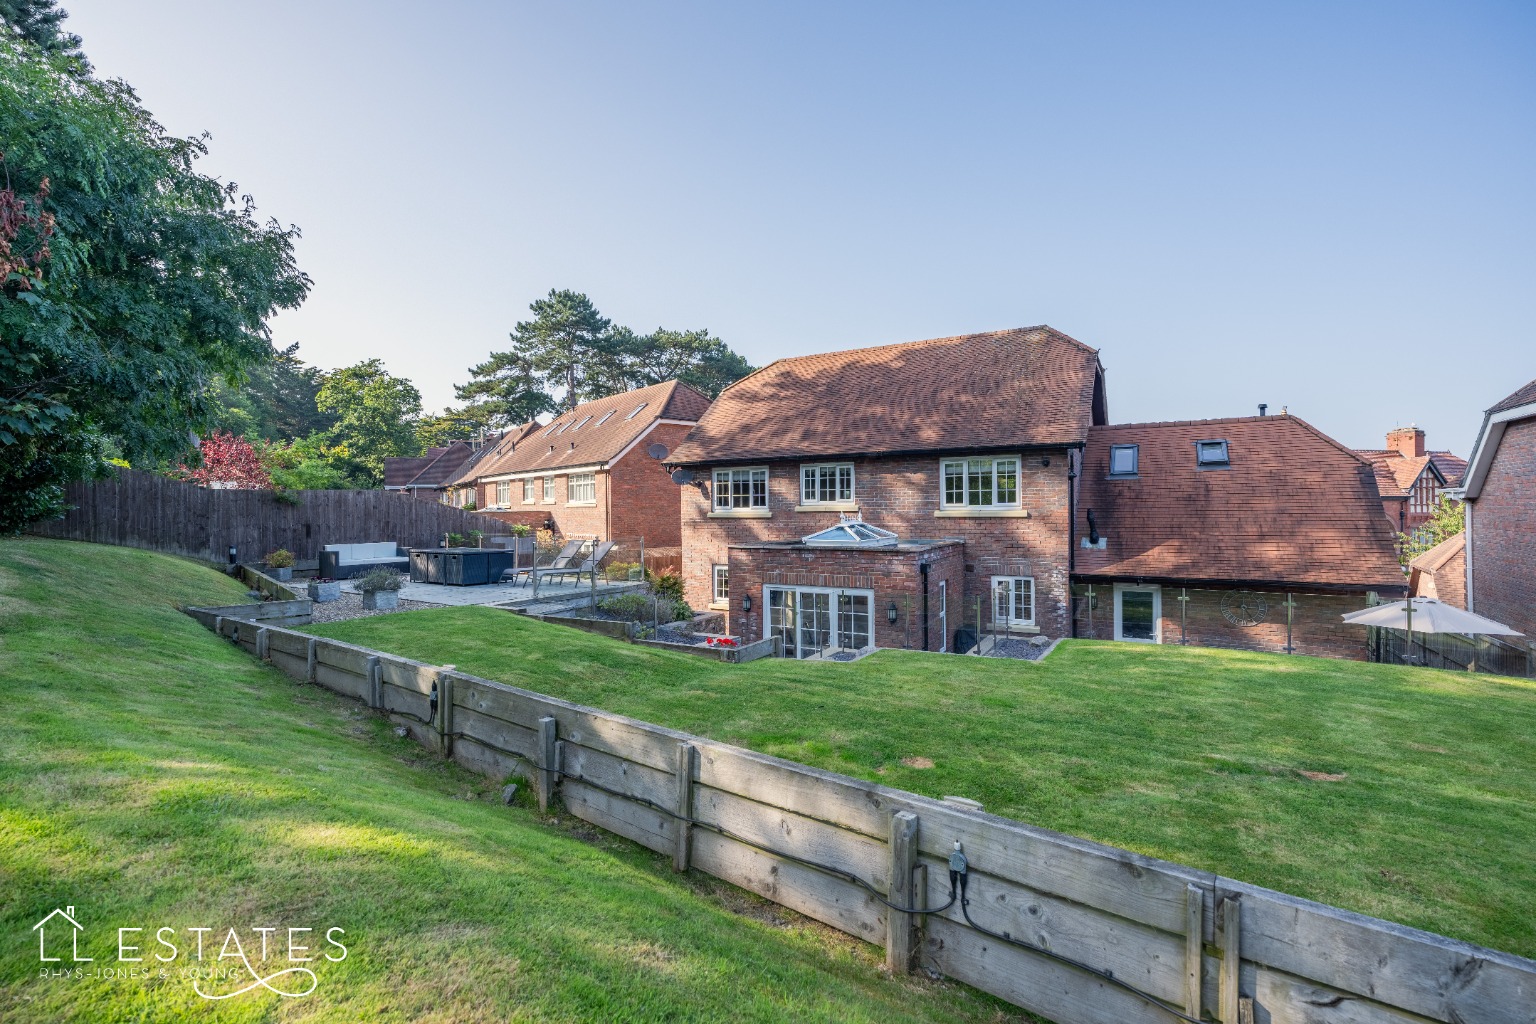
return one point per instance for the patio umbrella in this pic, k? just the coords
(1427, 615)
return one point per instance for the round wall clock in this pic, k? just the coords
(1244, 608)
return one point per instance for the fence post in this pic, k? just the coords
(445, 713)
(683, 851)
(1228, 926)
(549, 766)
(898, 923)
(375, 682)
(1194, 924)
(263, 641)
(309, 661)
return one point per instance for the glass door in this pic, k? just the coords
(781, 618)
(1137, 611)
(815, 623)
(853, 621)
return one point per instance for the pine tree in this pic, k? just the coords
(503, 391)
(565, 344)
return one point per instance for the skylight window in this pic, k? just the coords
(581, 424)
(562, 428)
(607, 414)
(851, 533)
(1211, 453)
(1124, 459)
(636, 412)
(550, 429)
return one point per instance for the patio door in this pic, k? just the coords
(1138, 613)
(816, 622)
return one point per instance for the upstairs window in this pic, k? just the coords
(981, 483)
(581, 487)
(1123, 459)
(741, 488)
(549, 489)
(530, 491)
(1211, 453)
(503, 492)
(826, 485)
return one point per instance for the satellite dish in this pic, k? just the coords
(682, 476)
(657, 451)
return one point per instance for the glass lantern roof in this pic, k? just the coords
(851, 533)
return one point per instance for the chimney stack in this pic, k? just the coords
(1263, 409)
(1407, 441)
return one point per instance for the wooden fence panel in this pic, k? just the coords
(139, 509)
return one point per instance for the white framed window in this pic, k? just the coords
(722, 591)
(981, 482)
(530, 490)
(1123, 459)
(581, 487)
(1013, 600)
(549, 490)
(827, 484)
(503, 492)
(741, 488)
(1138, 613)
(446, 498)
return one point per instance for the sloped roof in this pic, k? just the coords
(400, 471)
(592, 434)
(1017, 388)
(1524, 396)
(1397, 473)
(1436, 557)
(1294, 507)
(1451, 466)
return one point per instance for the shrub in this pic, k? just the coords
(681, 612)
(666, 584)
(470, 506)
(520, 530)
(375, 580)
(629, 607)
(475, 538)
(282, 558)
(455, 540)
(620, 570)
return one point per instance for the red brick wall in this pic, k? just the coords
(893, 576)
(1447, 583)
(1503, 534)
(902, 494)
(646, 502)
(1316, 627)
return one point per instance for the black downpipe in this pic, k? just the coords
(923, 571)
(1071, 539)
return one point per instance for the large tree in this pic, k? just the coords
(696, 358)
(157, 284)
(41, 23)
(502, 392)
(276, 400)
(566, 344)
(375, 414)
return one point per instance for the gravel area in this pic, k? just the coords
(351, 607)
(1022, 650)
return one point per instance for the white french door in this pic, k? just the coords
(814, 622)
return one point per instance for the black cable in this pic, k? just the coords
(959, 881)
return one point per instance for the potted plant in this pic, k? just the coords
(322, 590)
(380, 589)
(476, 538)
(281, 564)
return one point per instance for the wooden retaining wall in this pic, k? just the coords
(138, 509)
(1213, 947)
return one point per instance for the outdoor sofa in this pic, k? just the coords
(344, 561)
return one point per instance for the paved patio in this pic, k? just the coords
(505, 595)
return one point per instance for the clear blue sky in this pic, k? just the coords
(1327, 206)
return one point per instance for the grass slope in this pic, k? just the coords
(1194, 755)
(152, 776)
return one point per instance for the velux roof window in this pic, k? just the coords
(1211, 453)
(1123, 459)
(851, 533)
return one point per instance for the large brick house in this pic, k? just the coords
(427, 476)
(595, 471)
(1411, 478)
(959, 449)
(894, 496)
(1500, 494)
(1255, 533)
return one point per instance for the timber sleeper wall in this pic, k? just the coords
(1212, 947)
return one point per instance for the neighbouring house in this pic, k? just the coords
(1411, 478)
(1255, 533)
(1500, 495)
(887, 496)
(595, 471)
(428, 475)
(1441, 572)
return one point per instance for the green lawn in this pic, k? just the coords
(1420, 806)
(153, 776)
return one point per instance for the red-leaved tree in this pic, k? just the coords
(230, 462)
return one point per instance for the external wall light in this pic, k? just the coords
(746, 602)
(233, 554)
(891, 613)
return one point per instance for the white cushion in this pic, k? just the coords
(373, 552)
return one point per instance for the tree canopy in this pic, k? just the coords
(375, 414)
(152, 283)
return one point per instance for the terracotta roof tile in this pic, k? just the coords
(1525, 396)
(1015, 388)
(1294, 507)
(1437, 556)
(592, 434)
